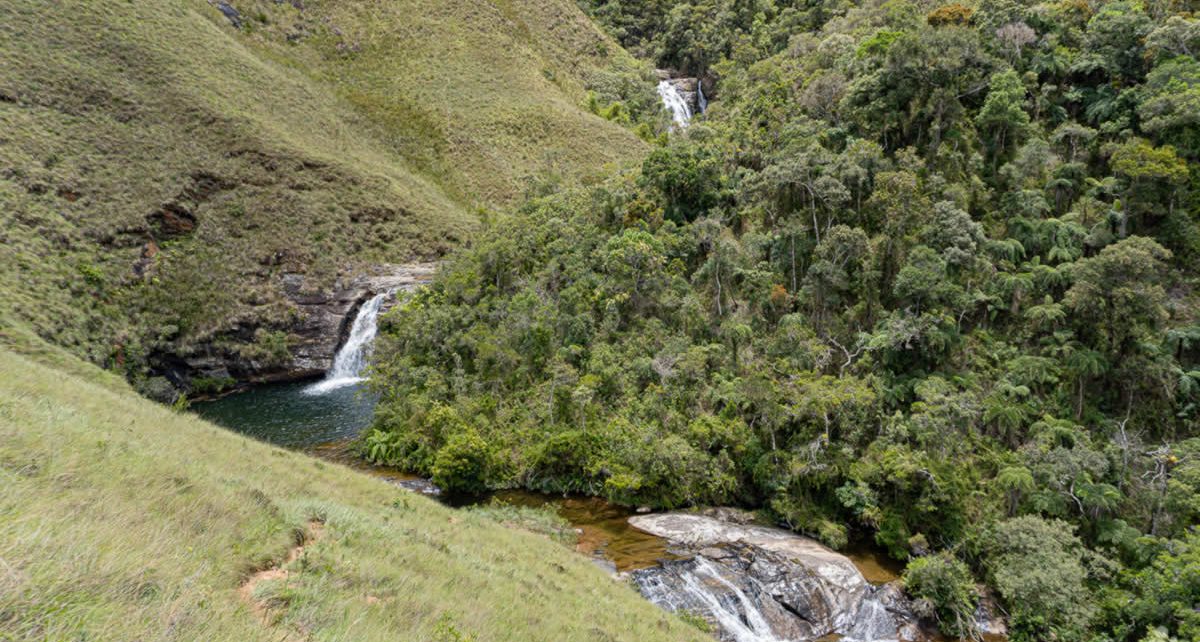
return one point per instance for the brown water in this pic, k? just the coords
(875, 565)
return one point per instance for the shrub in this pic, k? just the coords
(945, 591)
(462, 464)
(950, 14)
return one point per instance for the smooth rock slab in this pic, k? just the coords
(761, 584)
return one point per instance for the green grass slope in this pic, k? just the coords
(121, 520)
(160, 169)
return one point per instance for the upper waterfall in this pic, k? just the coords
(673, 99)
(352, 357)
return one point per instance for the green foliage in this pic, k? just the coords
(1037, 567)
(212, 385)
(944, 590)
(462, 464)
(1167, 591)
(922, 274)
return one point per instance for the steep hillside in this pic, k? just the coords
(121, 520)
(163, 165)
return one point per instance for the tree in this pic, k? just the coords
(686, 175)
(1003, 119)
(1168, 590)
(1118, 295)
(1151, 175)
(1170, 104)
(1037, 567)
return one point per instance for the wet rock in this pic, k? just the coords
(324, 316)
(421, 486)
(761, 583)
(688, 87)
(989, 617)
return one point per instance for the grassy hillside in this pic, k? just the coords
(160, 169)
(121, 520)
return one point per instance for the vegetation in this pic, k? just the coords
(944, 591)
(121, 520)
(161, 169)
(924, 272)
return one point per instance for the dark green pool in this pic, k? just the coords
(284, 415)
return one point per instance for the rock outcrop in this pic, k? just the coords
(759, 584)
(322, 317)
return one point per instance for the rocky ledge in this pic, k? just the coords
(759, 584)
(321, 317)
(325, 315)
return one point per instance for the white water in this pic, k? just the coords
(352, 358)
(755, 627)
(701, 101)
(681, 113)
(706, 590)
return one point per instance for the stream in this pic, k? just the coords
(754, 583)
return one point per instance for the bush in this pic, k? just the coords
(945, 591)
(951, 14)
(212, 385)
(462, 464)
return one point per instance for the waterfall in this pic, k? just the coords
(703, 589)
(351, 359)
(681, 113)
(701, 101)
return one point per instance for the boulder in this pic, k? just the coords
(232, 14)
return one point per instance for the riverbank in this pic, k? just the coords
(123, 520)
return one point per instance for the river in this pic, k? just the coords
(325, 425)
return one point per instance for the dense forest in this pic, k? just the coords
(922, 274)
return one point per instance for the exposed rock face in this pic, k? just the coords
(756, 583)
(323, 317)
(988, 618)
(229, 12)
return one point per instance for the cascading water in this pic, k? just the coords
(681, 113)
(702, 588)
(351, 359)
(701, 101)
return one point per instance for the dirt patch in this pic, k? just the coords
(261, 608)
